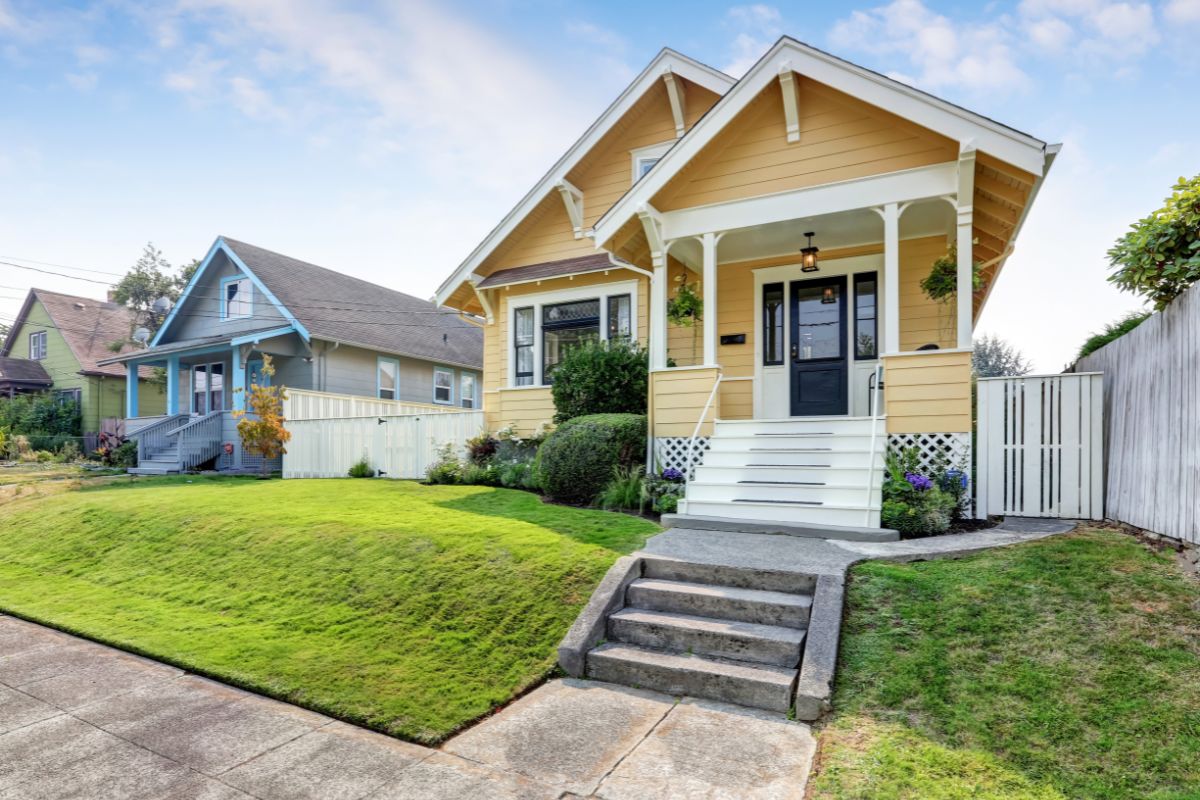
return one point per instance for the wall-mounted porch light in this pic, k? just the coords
(808, 255)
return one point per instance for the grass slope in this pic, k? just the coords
(1065, 668)
(408, 608)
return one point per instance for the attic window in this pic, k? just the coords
(644, 158)
(237, 300)
(37, 345)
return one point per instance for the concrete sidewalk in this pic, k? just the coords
(78, 719)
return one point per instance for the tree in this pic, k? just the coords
(4, 329)
(149, 279)
(995, 358)
(1160, 255)
(264, 434)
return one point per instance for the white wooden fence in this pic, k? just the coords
(1152, 421)
(304, 404)
(399, 446)
(1040, 447)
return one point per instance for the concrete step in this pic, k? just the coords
(153, 470)
(794, 425)
(743, 641)
(753, 685)
(782, 491)
(720, 575)
(720, 602)
(784, 512)
(811, 458)
(849, 533)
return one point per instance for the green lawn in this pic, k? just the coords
(1065, 668)
(412, 609)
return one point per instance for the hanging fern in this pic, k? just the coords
(941, 285)
(686, 306)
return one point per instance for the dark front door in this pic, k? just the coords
(818, 354)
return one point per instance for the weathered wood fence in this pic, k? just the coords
(1152, 420)
(1039, 443)
(399, 446)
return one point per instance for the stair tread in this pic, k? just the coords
(713, 665)
(845, 506)
(728, 592)
(725, 627)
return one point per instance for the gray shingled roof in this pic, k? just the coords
(337, 307)
(548, 269)
(22, 372)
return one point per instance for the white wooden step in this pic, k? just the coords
(817, 444)
(746, 427)
(829, 494)
(789, 457)
(707, 473)
(854, 515)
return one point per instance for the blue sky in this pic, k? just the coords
(385, 139)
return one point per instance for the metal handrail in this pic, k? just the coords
(687, 474)
(878, 378)
(154, 434)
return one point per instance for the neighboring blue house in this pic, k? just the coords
(323, 330)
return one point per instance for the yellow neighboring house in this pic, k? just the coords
(804, 204)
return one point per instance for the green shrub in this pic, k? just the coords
(665, 490)
(446, 469)
(601, 378)
(40, 414)
(626, 491)
(472, 474)
(124, 455)
(667, 504)
(920, 502)
(482, 448)
(1113, 331)
(70, 451)
(577, 460)
(362, 469)
(519, 475)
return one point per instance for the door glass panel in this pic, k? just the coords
(818, 322)
(772, 322)
(216, 387)
(200, 389)
(865, 316)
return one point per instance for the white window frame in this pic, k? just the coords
(248, 287)
(600, 291)
(40, 353)
(463, 397)
(649, 153)
(443, 371)
(379, 362)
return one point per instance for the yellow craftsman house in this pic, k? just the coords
(803, 204)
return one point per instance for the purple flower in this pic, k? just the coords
(672, 474)
(918, 482)
(957, 476)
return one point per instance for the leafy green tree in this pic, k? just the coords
(149, 279)
(996, 358)
(1160, 255)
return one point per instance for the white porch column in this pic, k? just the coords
(131, 389)
(658, 314)
(891, 278)
(709, 242)
(965, 295)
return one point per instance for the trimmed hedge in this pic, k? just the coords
(577, 460)
(601, 378)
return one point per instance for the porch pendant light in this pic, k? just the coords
(808, 255)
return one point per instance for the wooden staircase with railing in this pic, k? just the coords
(178, 443)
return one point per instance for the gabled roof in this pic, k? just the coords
(330, 306)
(88, 326)
(548, 269)
(1010, 145)
(667, 60)
(23, 372)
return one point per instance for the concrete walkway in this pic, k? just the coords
(81, 720)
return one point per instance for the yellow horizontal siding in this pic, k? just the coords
(677, 400)
(526, 410)
(928, 392)
(737, 399)
(923, 321)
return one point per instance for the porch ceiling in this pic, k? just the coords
(831, 231)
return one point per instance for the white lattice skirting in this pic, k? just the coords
(952, 449)
(671, 452)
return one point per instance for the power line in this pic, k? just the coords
(62, 266)
(59, 274)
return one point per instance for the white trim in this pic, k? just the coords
(964, 242)
(918, 107)
(687, 368)
(902, 186)
(791, 102)
(572, 197)
(39, 336)
(941, 351)
(599, 291)
(474, 397)
(667, 60)
(640, 154)
(443, 371)
(677, 96)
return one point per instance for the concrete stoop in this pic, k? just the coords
(727, 633)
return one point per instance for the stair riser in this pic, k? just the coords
(847, 495)
(704, 605)
(742, 691)
(774, 458)
(728, 576)
(783, 513)
(707, 473)
(838, 443)
(704, 642)
(825, 425)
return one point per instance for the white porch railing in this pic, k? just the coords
(875, 416)
(153, 437)
(302, 404)
(398, 446)
(691, 452)
(199, 440)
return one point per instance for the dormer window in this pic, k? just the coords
(237, 300)
(644, 158)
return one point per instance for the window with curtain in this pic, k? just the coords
(866, 338)
(772, 324)
(566, 326)
(466, 390)
(443, 386)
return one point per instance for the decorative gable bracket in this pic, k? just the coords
(573, 199)
(791, 101)
(675, 93)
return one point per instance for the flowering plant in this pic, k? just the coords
(918, 482)
(673, 475)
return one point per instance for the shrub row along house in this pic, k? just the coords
(323, 330)
(767, 240)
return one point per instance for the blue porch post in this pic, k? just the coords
(131, 389)
(239, 380)
(173, 385)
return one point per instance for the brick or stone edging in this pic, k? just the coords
(589, 628)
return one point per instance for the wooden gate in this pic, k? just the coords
(1039, 446)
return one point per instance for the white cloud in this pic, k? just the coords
(82, 81)
(8, 17)
(198, 79)
(941, 53)
(597, 35)
(1108, 30)
(1049, 34)
(252, 100)
(1182, 12)
(89, 54)
(757, 26)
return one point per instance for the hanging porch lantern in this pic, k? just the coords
(808, 255)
